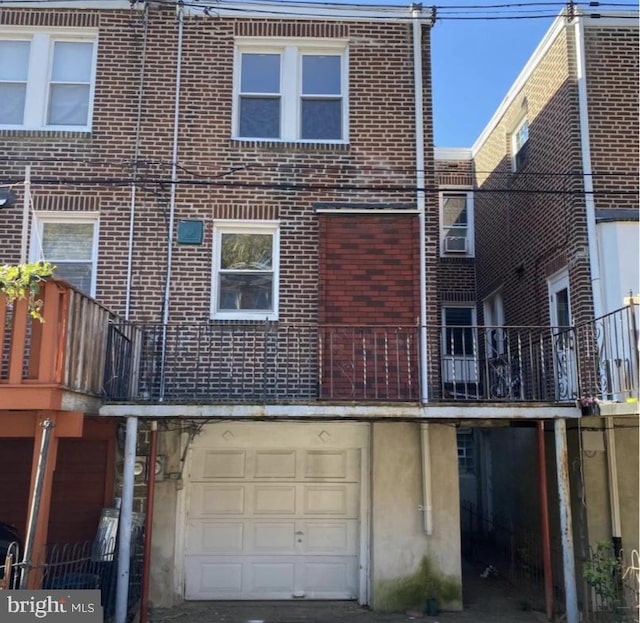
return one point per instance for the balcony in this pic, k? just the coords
(58, 363)
(85, 349)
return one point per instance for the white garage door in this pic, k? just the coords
(273, 523)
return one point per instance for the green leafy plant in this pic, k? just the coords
(23, 281)
(603, 571)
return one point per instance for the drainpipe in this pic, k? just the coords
(172, 202)
(416, 10)
(594, 266)
(148, 521)
(427, 498)
(126, 521)
(26, 206)
(136, 155)
(566, 527)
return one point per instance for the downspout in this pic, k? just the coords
(427, 509)
(416, 10)
(594, 266)
(172, 201)
(136, 155)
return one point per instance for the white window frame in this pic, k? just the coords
(245, 227)
(462, 190)
(516, 147)
(36, 109)
(291, 52)
(42, 217)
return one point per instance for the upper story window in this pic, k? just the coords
(245, 271)
(520, 144)
(456, 218)
(70, 242)
(291, 92)
(46, 81)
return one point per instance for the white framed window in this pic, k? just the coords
(466, 454)
(245, 270)
(520, 145)
(47, 80)
(456, 223)
(291, 91)
(70, 242)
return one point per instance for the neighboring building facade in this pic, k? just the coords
(557, 243)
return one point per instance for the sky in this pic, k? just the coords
(474, 63)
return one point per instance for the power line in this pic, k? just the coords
(291, 186)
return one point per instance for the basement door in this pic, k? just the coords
(273, 523)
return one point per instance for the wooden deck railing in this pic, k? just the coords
(66, 350)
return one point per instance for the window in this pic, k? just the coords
(456, 217)
(70, 242)
(46, 81)
(291, 92)
(520, 144)
(466, 462)
(245, 271)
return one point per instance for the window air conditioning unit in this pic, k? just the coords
(455, 244)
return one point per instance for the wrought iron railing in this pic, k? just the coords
(277, 362)
(505, 363)
(609, 355)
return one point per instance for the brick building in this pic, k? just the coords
(290, 285)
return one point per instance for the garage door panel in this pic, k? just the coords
(209, 579)
(274, 464)
(208, 464)
(272, 577)
(324, 464)
(217, 499)
(274, 500)
(326, 575)
(274, 538)
(213, 537)
(273, 523)
(330, 537)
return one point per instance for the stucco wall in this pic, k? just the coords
(161, 589)
(399, 543)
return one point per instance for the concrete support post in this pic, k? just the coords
(566, 528)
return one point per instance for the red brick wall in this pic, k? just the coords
(218, 178)
(369, 270)
(532, 223)
(612, 95)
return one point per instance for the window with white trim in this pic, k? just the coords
(245, 271)
(47, 80)
(456, 223)
(520, 145)
(70, 242)
(291, 91)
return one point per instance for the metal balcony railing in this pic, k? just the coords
(83, 347)
(609, 355)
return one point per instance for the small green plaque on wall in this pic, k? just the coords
(190, 232)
